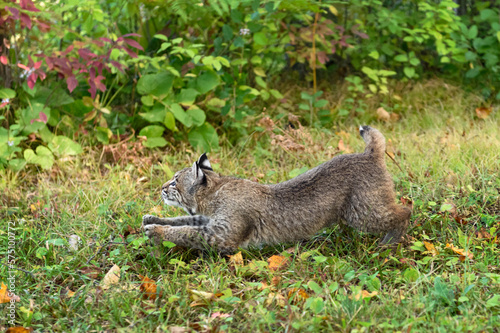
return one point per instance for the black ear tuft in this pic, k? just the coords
(204, 163)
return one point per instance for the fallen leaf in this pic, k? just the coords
(112, 277)
(483, 112)
(343, 147)
(297, 295)
(395, 117)
(178, 329)
(4, 295)
(278, 262)
(463, 254)
(91, 271)
(431, 248)
(365, 294)
(236, 259)
(201, 298)
(382, 114)
(19, 329)
(276, 297)
(149, 288)
(220, 315)
(276, 280)
(483, 234)
(69, 293)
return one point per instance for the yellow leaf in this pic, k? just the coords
(112, 277)
(69, 293)
(149, 288)
(259, 71)
(333, 10)
(431, 248)
(463, 254)
(297, 295)
(277, 262)
(236, 259)
(483, 112)
(365, 294)
(33, 208)
(4, 295)
(197, 295)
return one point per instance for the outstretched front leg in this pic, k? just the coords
(211, 235)
(195, 220)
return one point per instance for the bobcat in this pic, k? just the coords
(226, 213)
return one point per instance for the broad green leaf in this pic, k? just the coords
(147, 100)
(169, 121)
(321, 103)
(7, 93)
(493, 301)
(401, 58)
(187, 96)
(260, 38)
(204, 138)
(43, 157)
(374, 54)
(155, 142)
(155, 84)
(197, 115)
(409, 72)
(260, 82)
(411, 275)
(103, 134)
(207, 81)
(181, 115)
(157, 114)
(17, 164)
(152, 131)
(62, 145)
(259, 71)
(276, 94)
(315, 287)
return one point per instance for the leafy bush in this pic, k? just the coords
(190, 70)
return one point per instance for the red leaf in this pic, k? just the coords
(132, 35)
(117, 65)
(130, 52)
(42, 117)
(106, 39)
(32, 81)
(86, 54)
(28, 5)
(43, 26)
(38, 64)
(26, 20)
(92, 90)
(101, 86)
(134, 43)
(72, 83)
(14, 11)
(68, 50)
(26, 68)
(4, 60)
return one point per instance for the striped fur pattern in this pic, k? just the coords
(226, 213)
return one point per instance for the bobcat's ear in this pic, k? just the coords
(203, 162)
(199, 176)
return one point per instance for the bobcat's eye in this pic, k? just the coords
(172, 183)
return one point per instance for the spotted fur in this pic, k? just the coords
(226, 213)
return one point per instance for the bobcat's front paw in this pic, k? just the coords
(155, 232)
(149, 219)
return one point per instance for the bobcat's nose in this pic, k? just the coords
(164, 188)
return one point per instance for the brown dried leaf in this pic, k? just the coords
(430, 247)
(149, 288)
(236, 259)
(267, 123)
(179, 329)
(463, 254)
(112, 277)
(276, 280)
(483, 112)
(278, 262)
(91, 271)
(483, 234)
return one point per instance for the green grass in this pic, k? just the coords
(446, 154)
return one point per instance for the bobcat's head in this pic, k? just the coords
(181, 189)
